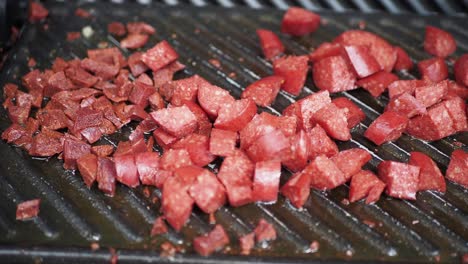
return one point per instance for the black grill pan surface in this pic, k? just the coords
(434, 227)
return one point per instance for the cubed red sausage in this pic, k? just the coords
(236, 175)
(307, 107)
(37, 12)
(173, 159)
(333, 120)
(297, 189)
(73, 150)
(163, 139)
(434, 69)
(222, 142)
(266, 181)
(298, 21)
(88, 166)
(433, 125)
(458, 167)
(460, 70)
(101, 69)
(185, 89)
(456, 108)
(333, 74)
(363, 184)
(112, 56)
(204, 123)
(106, 176)
(324, 174)
(116, 29)
(209, 194)
(140, 27)
(354, 114)
(58, 82)
(141, 93)
(320, 143)
(166, 74)
(159, 56)
(406, 105)
(46, 143)
(235, 116)
(404, 86)
(264, 231)
(176, 203)
(134, 41)
(439, 42)
(379, 48)
(211, 98)
(387, 127)
(247, 242)
(213, 241)
(198, 148)
(102, 150)
(402, 179)
(431, 94)
(364, 64)
(263, 92)
(147, 164)
(53, 119)
(298, 153)
(377, 83)
(270, 146)
(159, 227)
(403, 61)
(156, 101)
(455, 89)
(258, 126)
(350, 161)
(80, 77)
(324, 50)
(27, 209)
(270, 43)
(87, 117)
(135, 64)
(177, 121)
(294, 71)
(430, 177)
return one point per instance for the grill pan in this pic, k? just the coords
(72, 216)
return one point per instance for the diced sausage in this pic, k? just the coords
(354, 114)
(298, 153)
(141, 93)
(204, 124)
(431, 94)
(264, 231)
(159, 227)
(297, 189)
(102, 150)
(362, 184)
(46, 143)
(350, 161)
(387, 127)
(433, 125)
(235, 116)
(377, 83)
(136, 65)
(404, 86)
(213, 241)
(163, 139)
(147, 164)
(271, 146)
(88, 167)
(438, 42)
(73, 150)
(460, 70)
(364, 64)
(434, 69)
(324, 50)
(28, 209)
(430, 177)
(116, 29)
(106, 176)
(173, 159)
(134, 41)
(298, 21)
(333, 74)
(198, 148)
(223, 142)
(176, 203)
(333, 120)
(126, 170)
(247, 242)
(307, 107)
(324, 174)
(209, 194)
(177, 121)
(37, 12)
(211, 98)
(263, 92)
(456, 108)
(140, 27)
(401, 179)
(266, 181)
(458, 167)
(159, 56)
(403, 61)
(294, 71)
(320, 143)
(406, 105)
(270, 43)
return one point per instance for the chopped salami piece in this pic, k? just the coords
(350, 161)
(163, 139)
(222, 142)
(320, 143)
(213, 241)
(456, 108)
(297, 189)
(185, 89)
(46, 143)
(404, 86)
(401, 179)
(377, 83)
(134, 41)
(208, 192)
(140, 27)
(111, 56)
(236, 175)
(145, 79)
(59, 65)
(80, 77)
(403, 61)
(406, 105)
(102, 150)
(211, 98)
(458, 167)
(235, 116)
(333, 74)
(58, 82)
(387, 127)
(264, 231)
(126, 170)
(247, 242)
(204, 124)
(298, 155)
(198, 148)
(173, 159)
(159, 227)
(135, 64)
(362, 184)
(364, 64)
(438, 42)
(91, 134)
(87, 117)
(28, 209)
(161, 55)
(71, 36)
(166, 74)
(324, 174)
(72, 151)
(116, 29)
(354, 114)
(333, 120)
(263, 92)
(141, 93)
(88, 167)
(177, 121)
(433, 125)
(106, 176)
(307, 107)
(13, 133)
(379, 48)
(176, 203)
(270, 43)
(454, 89)
(431, 94)
(460, 70)
(434, 69)
(294, 71)
(101, 69)
(266, 181)
(37, 12)
(270, 146)
(430, 177)
(156, 101)
(52, 119)
(324, 50)
(298, 21)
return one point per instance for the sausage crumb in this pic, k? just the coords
(314, 246)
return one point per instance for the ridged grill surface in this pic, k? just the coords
(72, 216)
